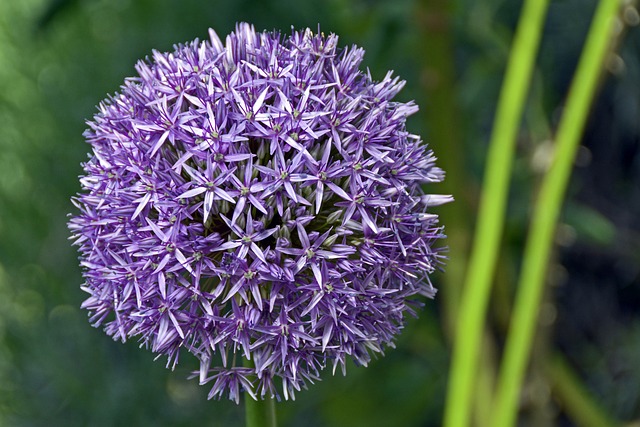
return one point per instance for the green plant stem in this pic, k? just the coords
(485, 382)
(545, 215)
(433, 18)
(490, 223)
(575, 400)
(260, 413)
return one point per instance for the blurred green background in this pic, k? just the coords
(59, 58)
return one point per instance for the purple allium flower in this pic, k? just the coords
(259, 200)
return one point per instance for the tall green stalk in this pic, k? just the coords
(490, 223)
(260, 413)
(574, 399)
(545, 215)
(434, 21)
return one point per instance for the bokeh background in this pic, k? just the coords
(59, 58)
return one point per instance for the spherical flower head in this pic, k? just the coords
(259, 204)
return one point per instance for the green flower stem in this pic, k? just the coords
(546, 212)
(490, 223)
(260, 413)
(434, 20)
(485, 382)
(576, 402)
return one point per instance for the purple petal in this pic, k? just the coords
(191, 193)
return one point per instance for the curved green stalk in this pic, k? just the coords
(488, 233)
(545, 215)
(575, 400)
